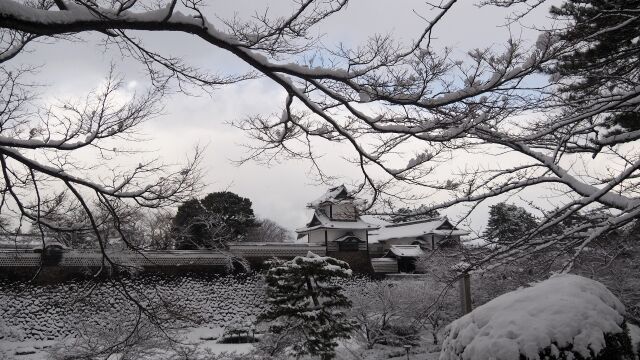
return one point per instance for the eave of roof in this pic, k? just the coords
(326, 223)
(348, 236)
(414, 229)
(406, 251)
(342, 225)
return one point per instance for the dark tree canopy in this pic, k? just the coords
(235, 211)
(508, 223)
(188, 233)
(607, 59)
(213, 221)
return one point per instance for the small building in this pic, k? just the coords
(337, 229)
(426, 233)
(337, 225)
(405, 256)
(370, 244)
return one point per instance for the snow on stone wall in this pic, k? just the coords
(29, 311)
(563, 310)
(49, 312)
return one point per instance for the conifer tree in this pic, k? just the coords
(307, 303)
(507, 223)
(606, 59)
(214, 221)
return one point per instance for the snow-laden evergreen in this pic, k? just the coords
(308, 303)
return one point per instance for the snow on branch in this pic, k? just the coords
(405, 112)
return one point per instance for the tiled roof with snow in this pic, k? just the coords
(452, 232)
(412, 229)
(406, 251)
(25, 241)
(334, 195)
(326, 223)
(8, 243)
(373, 219)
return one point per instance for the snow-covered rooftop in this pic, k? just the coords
(563, 310)
(20, 241)
(385, 229)
(412, 229)
(9, 244)
(406, 251)
(453, 232)
(375, 220)
(334, 195)
(325, 223)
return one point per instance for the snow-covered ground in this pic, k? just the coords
(203, 339)
(206, 339)
(33, 318)
(565, 309)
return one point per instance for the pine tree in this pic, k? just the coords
(508, 223)
(213, 221)
(607, 54)
(305, 300)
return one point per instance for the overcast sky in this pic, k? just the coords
(279, 192)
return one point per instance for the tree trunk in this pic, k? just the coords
(311, 292)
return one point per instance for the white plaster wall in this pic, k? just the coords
(316, 237)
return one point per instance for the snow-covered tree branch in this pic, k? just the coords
(69, 155)
(405, 111)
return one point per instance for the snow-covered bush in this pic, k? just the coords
(121, 335)
(401, 334)
(564, 317)
(393, 312)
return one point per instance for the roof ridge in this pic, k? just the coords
(443, 218)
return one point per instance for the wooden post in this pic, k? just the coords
(465, 293)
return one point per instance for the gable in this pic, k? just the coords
(446, 225)
(343, 194)
(314, 221)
